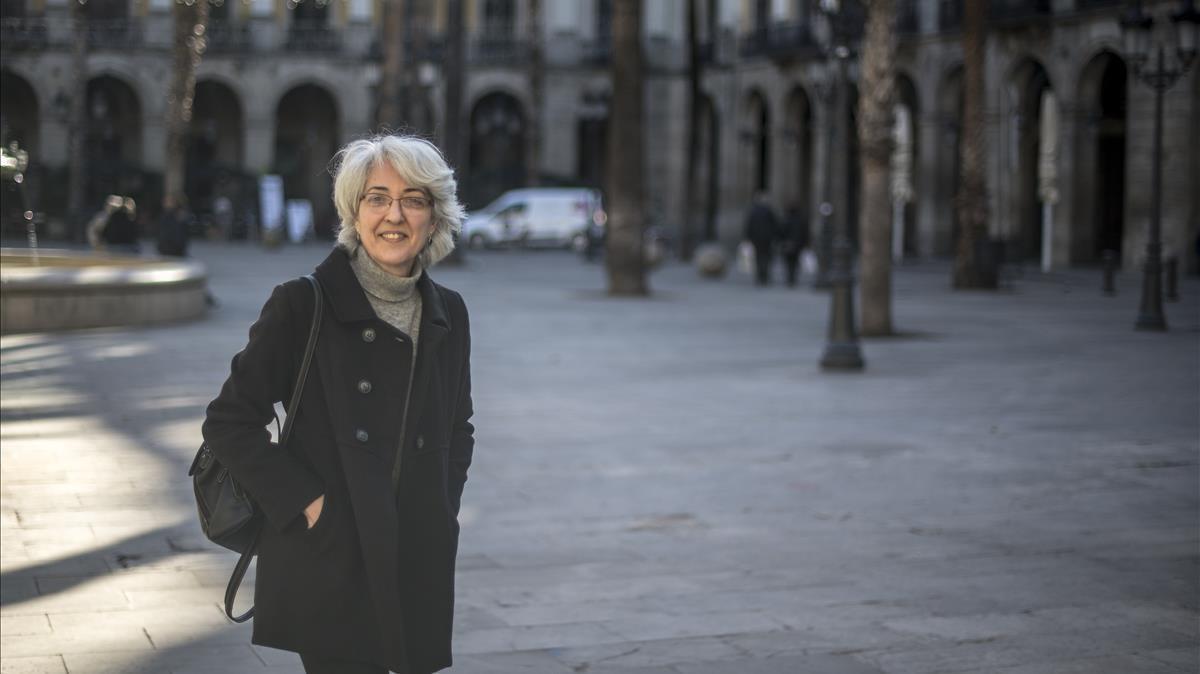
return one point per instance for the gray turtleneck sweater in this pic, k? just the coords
(395, 299)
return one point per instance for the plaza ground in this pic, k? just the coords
(669, 485)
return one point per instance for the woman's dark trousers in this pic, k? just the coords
(314, 664)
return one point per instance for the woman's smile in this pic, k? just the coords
(392, 230)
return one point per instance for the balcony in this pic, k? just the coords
(1001, 12)
(119, 34)
(950, 16)
(780, 42)
(23, 34)
(596, 53)
(908, 19)
(314, 38)
(226, 38)
(1017, 11)
(498, 50)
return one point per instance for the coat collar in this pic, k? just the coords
(348, 301)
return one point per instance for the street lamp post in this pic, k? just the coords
(1139, 30)
(841, 347)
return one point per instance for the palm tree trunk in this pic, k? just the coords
(972, 197)
(190, 22)
(390, 117)
(626, 224)
(688, 233)
(77, 176)
(533, 130)
(453, 64)
(875, 149)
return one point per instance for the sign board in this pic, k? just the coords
(270, 201)
(299, 219)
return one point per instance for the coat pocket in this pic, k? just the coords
(424, 444)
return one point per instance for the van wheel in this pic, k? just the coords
(477, 241)
(579, 243)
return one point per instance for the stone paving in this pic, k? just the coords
(670, 485)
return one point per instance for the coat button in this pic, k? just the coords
(361, 435)
(364, 386)
(420, 441)
(368, 335)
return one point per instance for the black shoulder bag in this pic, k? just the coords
(228, 516)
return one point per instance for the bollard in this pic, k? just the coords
(1110, 270)
(1172, 290)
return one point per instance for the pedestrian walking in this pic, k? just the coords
(174, 227)
(761, 230)
(356, 560)
(793, 240)
(115, 228)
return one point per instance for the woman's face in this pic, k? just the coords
(394, 221)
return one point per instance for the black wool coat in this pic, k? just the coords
(373, 579)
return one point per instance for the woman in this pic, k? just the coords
(356, 561)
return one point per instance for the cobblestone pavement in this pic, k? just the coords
(670, 485)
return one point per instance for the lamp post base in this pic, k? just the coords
(842, 356)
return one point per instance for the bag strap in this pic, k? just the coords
(243, 563)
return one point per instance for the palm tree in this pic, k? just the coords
(688, 238)
(190, 21)
(971, 202)
(452, 144)
(389, 114)
(534, 128)
(77, 177)
(626, 223)
(875, 149)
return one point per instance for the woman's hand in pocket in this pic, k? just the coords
(312, 512)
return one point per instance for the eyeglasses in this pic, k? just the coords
(409, 204)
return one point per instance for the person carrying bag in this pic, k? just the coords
(359, 507)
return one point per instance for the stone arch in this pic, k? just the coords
(112, 140)
(948, 125)
(214, 160)
(306, 123)
(18, 125)
(591, 137)
(709, 175)
(799, 141)
(755, 135)
(853, 166)
(906, 188)
(19, 112)
(496, 161)
(1101, 101)
(1028, 83)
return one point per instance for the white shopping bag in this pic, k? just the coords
(745, 258)
(808, 262)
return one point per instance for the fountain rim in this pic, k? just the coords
(147, 272)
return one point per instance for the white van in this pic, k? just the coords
(536, 216)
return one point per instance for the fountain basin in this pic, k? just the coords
(67, 290)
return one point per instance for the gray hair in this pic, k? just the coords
(420, 164)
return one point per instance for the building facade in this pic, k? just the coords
(284, 83)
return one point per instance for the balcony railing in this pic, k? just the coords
(780, 41)
(908, 21)
(312, 37)
(1002, 12)
(596, 53)
(950, 15)
(114, 33)
(1016, 11)
(500, 50)
(23, 34)
(224, 37)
